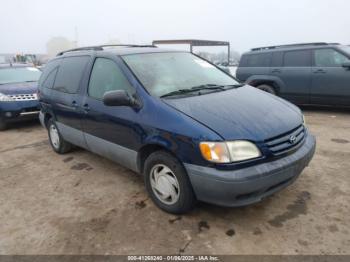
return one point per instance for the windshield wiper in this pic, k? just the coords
(194, 89)
(214, 86)
(177, 92)
(201, 87)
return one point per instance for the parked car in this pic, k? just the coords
(312, 73)
(18, 98)
(192, 130)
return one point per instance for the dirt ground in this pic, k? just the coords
(80, 203)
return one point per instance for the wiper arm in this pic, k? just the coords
(194, 89)
(178, 92)
(208, 86)
(201, 87)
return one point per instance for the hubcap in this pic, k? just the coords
(54, 137)
(164, 184)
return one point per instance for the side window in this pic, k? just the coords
(277, 59)
(50, 79)
(258, 60)
(298, 58)
(47, 72)
(107, 76)
(329, 58)
(70, 73)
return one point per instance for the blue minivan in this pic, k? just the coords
(18, 93)
(189, 128)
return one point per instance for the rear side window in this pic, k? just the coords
(107, 76)
(70, 73)
(277, 59)
(50, 79)
(300, 58)
(47, 70)
(257, 60)
(329, 58)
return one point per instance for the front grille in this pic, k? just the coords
(24, 97)
(283, 143)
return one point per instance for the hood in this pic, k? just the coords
(241, 113)
(19, 88)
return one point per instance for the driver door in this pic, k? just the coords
(109, 130)
(330, 80)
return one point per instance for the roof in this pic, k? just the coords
(193, 42)
(268, 49)
(116, 49)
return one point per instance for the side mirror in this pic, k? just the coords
(346, 65)
(118, 98)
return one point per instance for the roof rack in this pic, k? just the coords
(292, 45)
(100, 48)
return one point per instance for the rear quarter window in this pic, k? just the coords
(49, 74)
(70, 73)
(256, 60)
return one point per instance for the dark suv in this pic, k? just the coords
(313, 73)
(18, 93)
(191, 129)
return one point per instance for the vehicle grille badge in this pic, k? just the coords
(292, 139)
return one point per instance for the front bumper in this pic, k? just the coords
(19, 110)
(249, 185)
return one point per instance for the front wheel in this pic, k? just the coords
(268, 89)
(58, 144)
(167, 183)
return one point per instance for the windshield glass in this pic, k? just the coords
(346, 49)
(19, 75)
(162, 73)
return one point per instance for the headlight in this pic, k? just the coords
(227, 152)
(5, 98)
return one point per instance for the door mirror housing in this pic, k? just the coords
(118, 98)
(346, 65)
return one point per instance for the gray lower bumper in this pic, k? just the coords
(249, 185)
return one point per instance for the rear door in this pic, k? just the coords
(330, 80)
(253, 65)
(110, 130)
(295, 74)
(66, 99)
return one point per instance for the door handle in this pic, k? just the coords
(319, 71)
(74, 103)
(86, 107)
(276, 71)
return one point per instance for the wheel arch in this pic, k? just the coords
(275, 82)
(145, 151)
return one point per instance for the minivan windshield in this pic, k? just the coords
(19, 75)
(167, 73)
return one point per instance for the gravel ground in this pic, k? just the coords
(80, 203)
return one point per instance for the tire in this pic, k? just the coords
(172, 179)
(3, 124)
(58, 144)
(267, 88)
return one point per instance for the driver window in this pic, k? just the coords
(106, 76)
(329, 58)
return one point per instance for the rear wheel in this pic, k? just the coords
(268, 89)
(58, 144)
(3, 124)
(167, 183)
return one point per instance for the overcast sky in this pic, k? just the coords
(26, 25)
